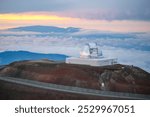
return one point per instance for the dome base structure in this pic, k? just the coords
(91, 62)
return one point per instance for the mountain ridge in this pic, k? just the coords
(115, 78)
(12, 56)
(40, 28)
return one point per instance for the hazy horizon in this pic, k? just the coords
(114, 15)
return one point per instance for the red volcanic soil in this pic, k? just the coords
(118, 78)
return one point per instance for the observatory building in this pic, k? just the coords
(91, 55)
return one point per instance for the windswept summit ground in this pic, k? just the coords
(116, 78)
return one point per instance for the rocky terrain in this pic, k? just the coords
(117, 78)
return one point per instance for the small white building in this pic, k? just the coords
(90, 55)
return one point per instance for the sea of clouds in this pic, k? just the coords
(129, 48)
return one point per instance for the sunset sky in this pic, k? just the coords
(106, 15)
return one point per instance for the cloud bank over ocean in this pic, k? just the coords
(129, 48)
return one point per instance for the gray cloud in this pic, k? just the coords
(91, 9)
(11, 6)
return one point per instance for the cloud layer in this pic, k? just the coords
(129, 48)
(89, 9)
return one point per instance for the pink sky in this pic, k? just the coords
(50, 19)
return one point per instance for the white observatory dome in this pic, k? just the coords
(90, 50)
(90, 55)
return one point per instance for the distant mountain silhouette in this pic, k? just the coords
(12, 56)
(38, 28)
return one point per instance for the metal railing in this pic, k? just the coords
(71, 89)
